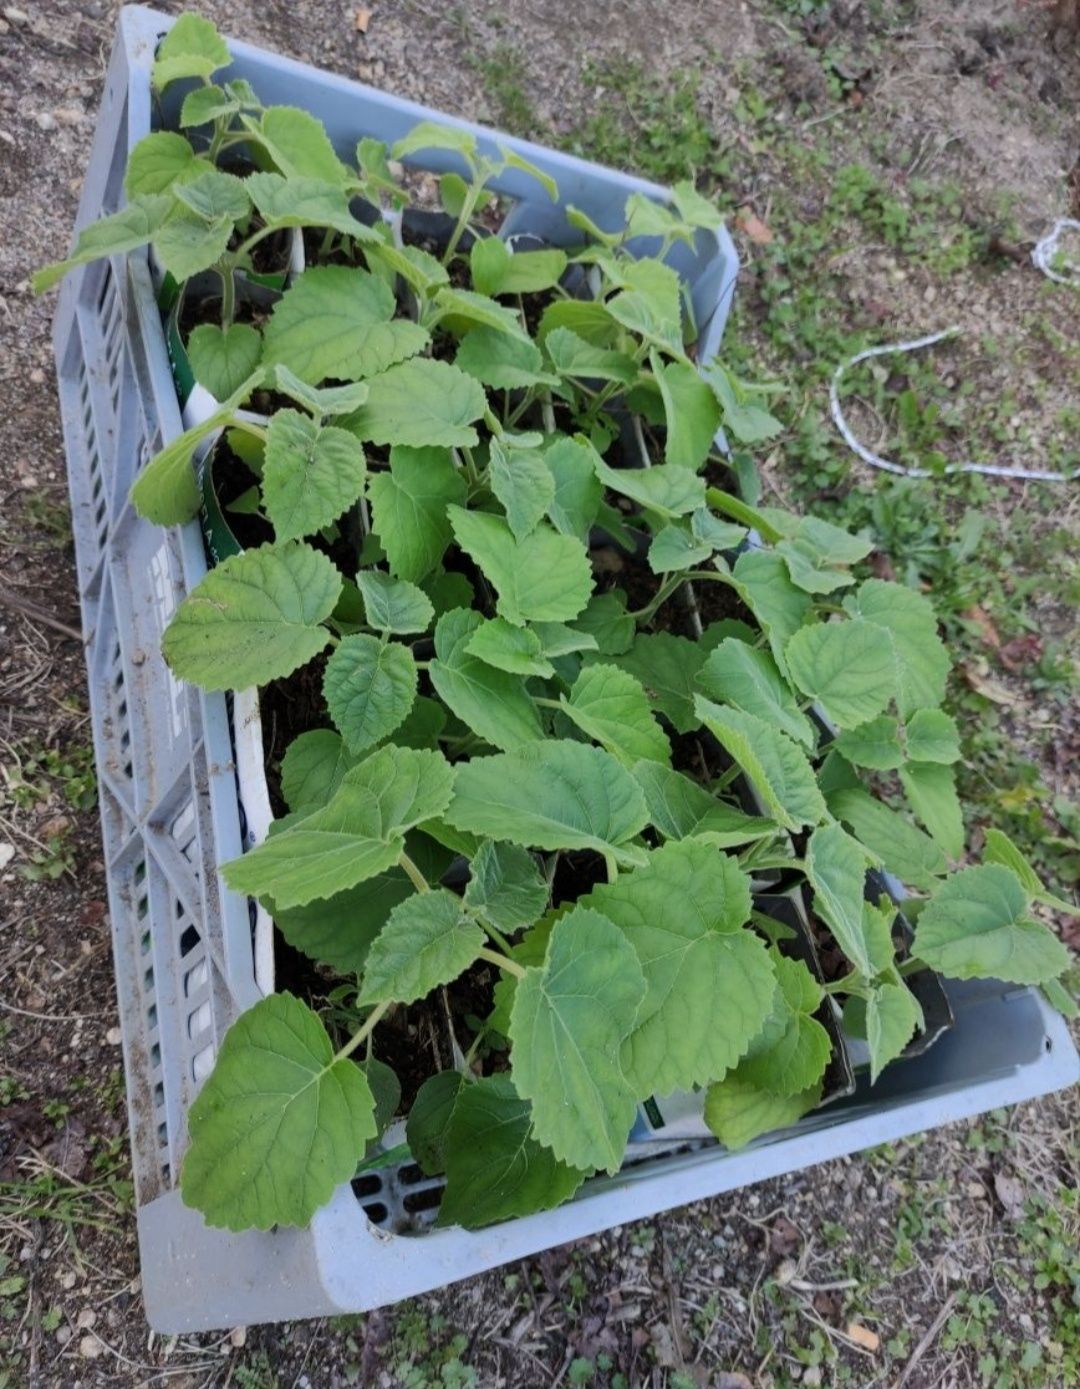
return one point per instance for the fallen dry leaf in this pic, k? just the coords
(1011, 1193)
(985, 685)
(863, 1336)
(750, 223)
(362, 20)
(981, 618)
(1021, 652)
(784, 1237)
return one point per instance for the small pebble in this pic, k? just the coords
(86, 1318)
(46, 120)
(114, 1036)
(90, 1347)
(14, 16)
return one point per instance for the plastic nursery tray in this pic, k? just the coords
(170, 808)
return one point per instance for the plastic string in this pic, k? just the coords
(876, 461)
(1046, 249)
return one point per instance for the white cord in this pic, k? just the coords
(876, 461)
(1047, 249)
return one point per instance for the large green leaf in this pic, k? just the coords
(429, 1120)
(187, 244)
(977, 926)
(776, 765)
(738, 1111)
(680, 808)
(492, 702)
(369, 688)
(568, 1022)
(419, 403)
(223, 358)
(278, 1125)
(428, 940)
(133, 226)
(458, 311)
(338, 931)
(409, 506)
(675, 548)
(606, 621)
(836, 868)
(545, 577)
(922, 663)
(305, 202)
(319, 400)
(903, 849)
(893, 1014)
(299, 145)
(495, 1168)
(650, 304)
(931, 791)
(498, 269)
(497, 359)
(999, 848)
(523, 485)
(611, 707)
(552, 795)
(322, 854)
(931, 735)
(576, 502)
(191, 48)
(710, 983)
(214, 194)
(875, 744)
(157, 161)
(335, 321)
(357, 836)
(517, 650)
(737, 673)
(506, 886)
(762, 581)
(311, 473)
(667, 489)
(254, 618)
(667, 666)
(848, 667)
(313, 768)
(796, 1048)
(692, 413)
(572, 356)
(394, 605)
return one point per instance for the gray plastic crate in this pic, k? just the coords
(170, 813)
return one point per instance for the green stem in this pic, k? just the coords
(493, 931)
(228, 295)
(469, 463)
(248, 427)
(253, 240)
(912, 966)
(504, 962)
(363, 1032)
(739, 511)
(852, 983)
(611, 866)
(413, 873)
(663, 593)
(519, 410)
(468, 207)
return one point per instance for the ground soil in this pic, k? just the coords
(916, 1266)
